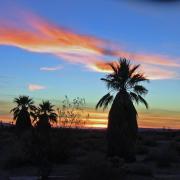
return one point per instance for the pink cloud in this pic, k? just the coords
(152, 72)
(35, 87)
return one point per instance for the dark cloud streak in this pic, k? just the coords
(156, 2)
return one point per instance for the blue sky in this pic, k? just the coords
(141, 30)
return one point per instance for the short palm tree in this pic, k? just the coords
(124, 81)
(46, 115)
(23, 111)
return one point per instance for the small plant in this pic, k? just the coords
(72, 114)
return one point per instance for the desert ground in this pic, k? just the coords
(81, 154)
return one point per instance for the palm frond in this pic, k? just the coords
(32, 108)
(136, 78)
(139, 89)
(46, 106)
(14, 109)
(15, 116)
(141, 99)
(133, 69)
(108, 101)
(123, 70)
(134, 97)
(111, 83)
(104, 101)
(114, 67)
(53, 117)
(33, 115)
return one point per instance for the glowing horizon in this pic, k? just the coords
(99, 119)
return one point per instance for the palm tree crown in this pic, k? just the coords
(22, 112)
(47, 109)
(24, 103)
(124, 79)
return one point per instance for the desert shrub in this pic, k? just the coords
(72, 113)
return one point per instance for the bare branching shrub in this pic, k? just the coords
(72, 113)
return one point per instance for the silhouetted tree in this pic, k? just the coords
(46, 115)
(122, 119)
(22, 112)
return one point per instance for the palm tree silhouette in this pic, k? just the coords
(22, 112)
(46, 115)
(122, 119)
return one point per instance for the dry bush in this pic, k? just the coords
(72, 113)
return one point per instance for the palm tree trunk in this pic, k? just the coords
(122, 127)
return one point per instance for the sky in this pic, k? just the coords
(49, 49)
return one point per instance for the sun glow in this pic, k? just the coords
(99, 119)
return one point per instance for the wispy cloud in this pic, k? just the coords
(152, 72)
(35, 87)
(51, 68)
(39, 35)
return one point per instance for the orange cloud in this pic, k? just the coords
(38, 35)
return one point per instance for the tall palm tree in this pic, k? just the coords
(23, 111)
(46, 115)
(124, 88)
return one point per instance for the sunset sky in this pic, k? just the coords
(49, 49)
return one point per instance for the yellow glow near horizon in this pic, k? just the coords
(145, 120)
